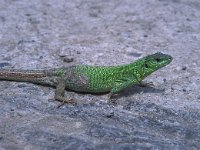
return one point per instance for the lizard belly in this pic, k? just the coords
(83, 83)
(88, 88)
(87, 79)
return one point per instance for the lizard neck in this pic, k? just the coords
(135, 69)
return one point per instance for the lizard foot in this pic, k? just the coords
(68, 101)
(111, 100)
(51, 99)
(146, 84)
(64, 100)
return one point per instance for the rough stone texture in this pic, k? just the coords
(37, 34)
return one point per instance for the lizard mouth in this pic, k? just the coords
(166, 59)
(169, 59)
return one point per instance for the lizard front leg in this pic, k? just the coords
(146, 84)
(60, 92)
(122, 84)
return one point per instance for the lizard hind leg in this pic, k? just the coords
(60, 92)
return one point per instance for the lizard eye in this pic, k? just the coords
(158, 59)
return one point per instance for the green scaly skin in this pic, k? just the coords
(91, 79)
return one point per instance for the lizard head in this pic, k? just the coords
(151, 63)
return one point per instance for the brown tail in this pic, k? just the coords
(21, 75)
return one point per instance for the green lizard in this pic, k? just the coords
(90, 79)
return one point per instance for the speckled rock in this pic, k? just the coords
(36, 34)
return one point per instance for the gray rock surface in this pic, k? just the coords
(46, 34)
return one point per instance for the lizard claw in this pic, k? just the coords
(111, 100)
(63, 100)
(146, 84)
(51, 99)
(69, 101)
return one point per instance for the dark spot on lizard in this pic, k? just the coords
(74, 79)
